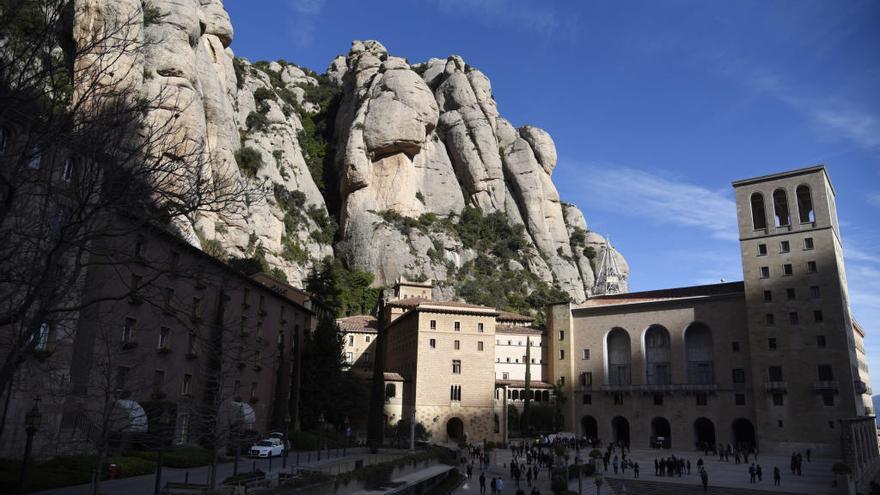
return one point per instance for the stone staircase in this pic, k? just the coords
(639, 487)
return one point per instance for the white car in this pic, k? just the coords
(269, 447)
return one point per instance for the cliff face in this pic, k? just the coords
(374, 162)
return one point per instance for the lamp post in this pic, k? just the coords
(32, 423)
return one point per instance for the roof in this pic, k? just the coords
(421, 302)
(782, 175)
(518, 330)
(522, 384)
(366, 374)
(358, 323)
(665, 294)
(510, 316)
(392, 377)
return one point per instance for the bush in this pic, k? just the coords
(257, 121)
(67, 471)
(249, 161)
(262, 94)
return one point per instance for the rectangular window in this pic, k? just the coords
(433, 324)
(196, 303)
(765, 272)
(778, 421)
(762, 249)
(140, 248)
(784, 247)
(562, 335)
(770, 319)
(456, 326)
(825, 372)
(174, 262)
(739, 399)
(253, 390)
(808, 243)
(586, 354)
(587, 378)
(702, 399)
(43, 337)
(455, 393)
(505, 376)
(186, 386)
(778, 400)
(811, 267)
(128, 331)
(658, 399)
(456, 345)
(793, 318)
(787, 270)
(739, 375)
(367, 339)
(168, 298)
(191, 347)
(351, 340)
(349, 358)
(456, 366)
(480, 327)
(814, 292)
(366, 357)
(561, 381)
(790, 293)
(775, 373)
(734, 346)
(820, 341)
(768, 295)
(817, 316)
(587, 399)
(771, 343)
(164, 336)
(561, 353)
(827, 398)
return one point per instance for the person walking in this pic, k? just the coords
(636, 470)
(470, 470)
(500, 485)
(704, 477)
(493, 487)
(759, 473)
(615, 463)
(777, 476)
(482, 483)
(529, 476)
(808, 455)
(688, 464)
(752, 473)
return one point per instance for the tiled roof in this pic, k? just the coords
(522, 384)
(413, 302)
(392, 377)
(359, 323)
(509, 316)
(518, 330)
(665, 294)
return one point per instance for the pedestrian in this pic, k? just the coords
(752, 473)
(688, 466)
(535, 491)
(777, 477)
(808, 455)
(636, 470)
(704, 477)
(656, 467)
(482, 483)
(470, 470)
(759, 472)
(493, 486)
(500, 485)
(615, 463)
(529, 476)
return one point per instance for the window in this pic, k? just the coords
(768, 295)
(349, 358)
(351, 340)
(820, 341)
(260, 331)
(817, 316)
(780, 208)
(739, 375)
(585, 354)
(174, 263)
(366, 357)
(432, 343)
(825, 372)
(456, 345)
(787, 269)
(456, 366)
(164, 335)
(455, 393)
(456, 326)
(808, 243)
(561, 353)
(253, 391)
(587, 399)
(433, 324)
(739, 399)
(702, 399)
(762, 249)
(770, 319)
(390, 391)
(186, 386)
(811, 267)
(67, 170)
(771, 343)
(158, 381)
(128, 331)
(587, 378)
(505, 376)
(479, 345)
(775, 373)
(367, 339)
(658, 399)
(261, 303)
(480, 328)
(191, 346)
(508, 360)
(814, 292)
(784, 247)
(562, 335)
(778, 421)
(43, 337)
(778, 400)
(793, 318)
(789, 293)
(765, 272)
(245, 298)
(734, 346)
(827, 398)
(805, 204)
(618, 399)
(561, 381)
(759, 213)
(35, 158)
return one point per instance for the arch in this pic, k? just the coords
(620, 430)
(455, 429)
(545, 396)
(743, 433)
(589, 428)
(390, 390)
(619, 357)
(657, 355)
(704, 434)
(759, 212)
(780, 208)
(805, 204)
(515, 394)
(661, 433)
(699, 354)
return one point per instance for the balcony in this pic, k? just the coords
(826, 385)
(776, 387)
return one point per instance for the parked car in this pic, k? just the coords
(268, 447)
(280, 436)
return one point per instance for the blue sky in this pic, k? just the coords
(655, 107)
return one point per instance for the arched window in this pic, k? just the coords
(390, 390)
(619, 357)
(699, 353)
(759, 213)
(805, 204)
(516, 395)
(780, 208)
(657, 356)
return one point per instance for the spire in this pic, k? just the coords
(609, 279)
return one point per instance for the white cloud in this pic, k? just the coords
(304, 14)
(639, 193)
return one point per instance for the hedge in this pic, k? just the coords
(67, 471)
(184, 457)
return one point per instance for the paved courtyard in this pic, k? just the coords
(816, 478)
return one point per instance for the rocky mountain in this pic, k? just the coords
(397, 169)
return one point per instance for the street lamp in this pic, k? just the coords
(32, 423)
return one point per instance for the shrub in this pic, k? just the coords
(239, 67)
(262, 94)
(257, 121)
(249, 161)
(152, 14)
